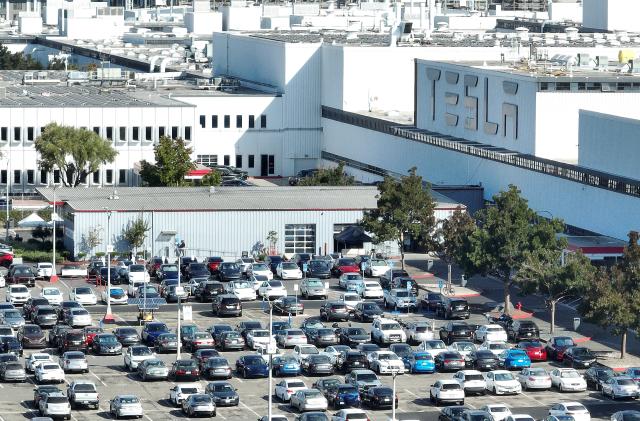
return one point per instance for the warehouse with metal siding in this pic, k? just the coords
(224, 221)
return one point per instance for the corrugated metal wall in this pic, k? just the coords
(210, 233)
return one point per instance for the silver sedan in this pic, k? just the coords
(125, 406)
(199, 404)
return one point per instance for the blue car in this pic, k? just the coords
(422, 362)
(343, 395)
(252, 366)
(152, 330)
(514, 359)
(286, 365)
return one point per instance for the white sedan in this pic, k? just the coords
(304, 351)
(260, 269)
(385, 362)
(35, 359)
(502, 382)
(288, 270)
(492, 333)
(117, 296)
(53, 295)
(135, 355)
(446, 391)
(370, 289)
(83, 295)
(568, 380)
(376, 268)
(287, 387)
(241, 289)
(575, 409)
(349, 414)
(496, 347)
(498, 411)
(351, 300)
(534, 378)
(79, 317)
(272, 289)
(49, 372)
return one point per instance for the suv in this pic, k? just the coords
(55, 405)
(312, 287)
(405, 283)
(207, 290)
(452, 308)
(391, 274)
(400, 299)
(73, 340)
(21, 274)
(226, 305)
(387, 331)
(456, 331)
(45, 316)
(362, 379)
(17, 294)
(522, 330)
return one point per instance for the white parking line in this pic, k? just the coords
(242, 403)
(94, 375)
(411, 393)
(67, 286)
(148, 417)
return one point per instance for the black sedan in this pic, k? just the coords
(228, 271)
(317, 365)
(217, 368)
(579, 357)
(379, 397)
(106, 344)
(223, 393)
(353, 360)
(320, 269)
(353, 336)
(197, 270)
(127, 335)
(184, 370)
(288, 305)
(483, 360)
(595, 376)
(449, 361)
(366, 312)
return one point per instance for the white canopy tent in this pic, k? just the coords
(32, 221)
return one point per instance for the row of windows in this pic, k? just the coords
(135, 133)
(212, 160)
(107, 177)
(226, 121)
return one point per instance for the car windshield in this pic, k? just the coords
(202, 335)
(242, 284)
(155, 363)
(83, 291)
(387, 357)
(537, 372)
(575, 408)
(402, 293)
(157, 327)
(32, 330)
(356, 331)
(228, 266)
(353, 277)
(19, 289)
(50, 291)
(169, 268)
(346, 262)
(254, 360)
(569, 374)
(129, 399)
(347, 389)
(57, 399)
(465, 346)
(107, 339)
(74, 356)
(582, 352)
(390, 326)
(378, 263)
(260, 333)
(318, 265)
(370, 306)
(309, 350)
(189, 390)
(289, 265)
(296, 332)
(200, 399)
(366, 377)
(259, 267)
(626, 382)
(168, 337)
(140, 351)
(222, 388)
(288, 359)
(310, 394)
(136, 268)
(12, 314)
(314, 283)
(319, 359)
(564, 342)
(504, 376)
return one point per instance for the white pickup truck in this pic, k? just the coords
(83, 393)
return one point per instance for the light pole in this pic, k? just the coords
(270, 352)
(393, 397)
(178, 293)
(108, 317)
(6, 233)
(54, 272)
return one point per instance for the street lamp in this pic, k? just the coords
(108, 317)
(178, 294)
(394, 373)
(270, 352)
(54, 272)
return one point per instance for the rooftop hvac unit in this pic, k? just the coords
(584, 60)
(602, 63)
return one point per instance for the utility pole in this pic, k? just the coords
(108, 317)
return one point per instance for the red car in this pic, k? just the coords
(534, 349)
(344, 265)
(90, 332)
(213, 263)
(557, 345)
(6, 258)
(153, 265)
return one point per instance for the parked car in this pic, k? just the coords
(534, 349)
(83, 295)
(312, 288)
(290, 338)
(317, 365)
(568, 380)
(472, 382)
(483, 359)
(213, 262)
(127, 335)
(453, 308)
(73, 340)
(446, 391)
(125, 406)
(12, 372)
(184, 369)
(288, 270)
(376, 268)
(449, 361)
(31, 336)
(55, 405)
(272, 289)
(199, 404)
(252, 366)
(180, 392)
(574, 409)
(35, 359)
(421, 362)
(309, 400)
(49, 372)
(502, 382)
(17, 295)
(216, 367)
(260, 269)
(433, 347)
(21, 274)
(620, 388)
(492, 332)
(223, 393)
(39, 392)
(74, 361)
(344, 265)
(106, 344)
(323, 337)
(579, 357)
(52, 295)
(284, 389)
(136, 354)
(367, 311)
(346, 278)
(152, 330)
(362, 379)
(514, 359)
(242, 289)
(334, 310)
(152, 369)
(386, 362)
(520, 330)
(228, 271)
(320, 269)
(430, 301)
(557, 345)
(230, 340)
(456, 331)
(45, 316)
(288, 305)
(399, 299)
(226, 305)
(117, 295)
(595, 376)
(12, 318)
(285, 365)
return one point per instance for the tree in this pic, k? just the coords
(16, 61)
(136, 233)
(173, 162)
(453, 238)
(555, 275)
(61, 64)
(75, 152)
(42, 233)
(507, 232)
(213, 178)
(612, 299)
(94, 237)
(405, 207)
(329, 177)
(272, 238)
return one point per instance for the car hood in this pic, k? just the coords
(230, 272)
(358, 337)
(34, 335)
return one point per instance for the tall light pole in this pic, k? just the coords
(54, 272)
(178, 333)
(108, 317)
(270, 352)
(393, 398)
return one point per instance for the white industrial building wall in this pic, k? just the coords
(608, 213)
(211, 233)
(557, 119)
(610, 143)
(303, 67)
(450, 102)
(333, 71)
(611, 14)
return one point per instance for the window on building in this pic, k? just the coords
(227, 121)
(135, 133)
(272, 164)
(16, 133)
(31, 175)
(17, 176)
(123, 133)
(122, 176)
(148, 133)
(96, 130)
(203, 121)
(30, 133)
(300, 238)
(109, 133)
(251, 161)
(207, 160)
(174, 132)
(83, 179)
(56, 176)
(108, 177)
(239, 121)
(161, 132)
(3, 133)
(3, 176)
(252, 121)
(96, 177)
(187, 132)
(238, 161)
(44, 177)
(227, 160)
(214, 121)
(263, 121)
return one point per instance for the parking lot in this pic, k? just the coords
(413, 390)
